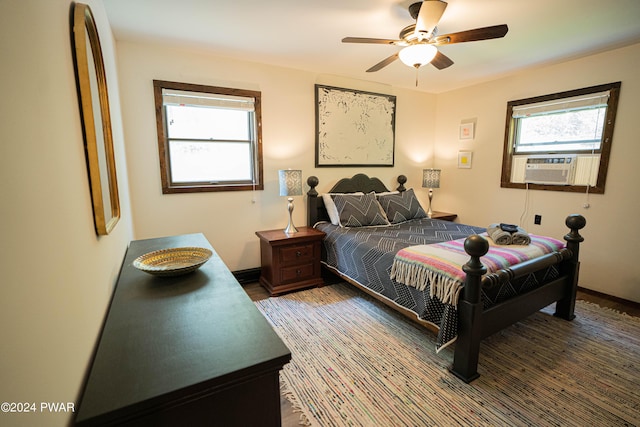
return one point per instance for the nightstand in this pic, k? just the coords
(290, 261)
(445, 216)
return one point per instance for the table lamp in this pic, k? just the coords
(430, 180)
(290, 185)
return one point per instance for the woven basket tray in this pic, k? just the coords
(172, 261)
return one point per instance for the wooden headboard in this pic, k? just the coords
(359, 182)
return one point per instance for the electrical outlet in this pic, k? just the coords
(537, 219)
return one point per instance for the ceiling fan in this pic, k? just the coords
(419, 41)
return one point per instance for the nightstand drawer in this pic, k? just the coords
(296, 254)
(297, 272)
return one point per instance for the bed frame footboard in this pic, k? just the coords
(475, 323)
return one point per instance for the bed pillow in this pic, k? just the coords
(330, 206)
(401, 207)
(359, 210)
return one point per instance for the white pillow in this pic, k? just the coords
(331, 208)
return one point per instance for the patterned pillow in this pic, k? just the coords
(330, 206)
(359, 210)
(401, 207)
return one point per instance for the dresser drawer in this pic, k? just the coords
(296, 253)
(297, 272)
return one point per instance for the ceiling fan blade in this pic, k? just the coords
(485, 33)
(373, 41)
(383, 63)
(430, 13)
(441, 61)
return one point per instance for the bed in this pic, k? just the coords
(367, 254)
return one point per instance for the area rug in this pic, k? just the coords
(355, 362)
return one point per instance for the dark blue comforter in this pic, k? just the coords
(365, 255)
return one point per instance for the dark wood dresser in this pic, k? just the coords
(186, 350)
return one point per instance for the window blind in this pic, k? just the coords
(203, 99)
(582, 102)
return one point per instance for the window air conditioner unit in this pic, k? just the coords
(550, 169)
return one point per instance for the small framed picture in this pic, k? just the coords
(464, 159)
(466, 131)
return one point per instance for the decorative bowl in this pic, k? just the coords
(172, 261)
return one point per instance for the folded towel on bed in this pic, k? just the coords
(498, 235)
(520, 237)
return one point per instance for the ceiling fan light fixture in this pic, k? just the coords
(417, 55)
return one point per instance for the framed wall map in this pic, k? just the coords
(354, 128)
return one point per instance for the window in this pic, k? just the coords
(571, 125)
(561, 141)
(209, 138)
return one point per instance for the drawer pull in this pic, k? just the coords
(298, 272)
(296, 254)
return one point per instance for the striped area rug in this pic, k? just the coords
(358, 363)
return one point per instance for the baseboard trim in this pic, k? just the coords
(251, 275)
(610, 297)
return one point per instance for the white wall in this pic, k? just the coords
(230, 219)
(57, 274)
(608, 255)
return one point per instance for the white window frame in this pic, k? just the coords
(168, 93)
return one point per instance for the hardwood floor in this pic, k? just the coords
(255, 291)
(290, 418)
(603, 300)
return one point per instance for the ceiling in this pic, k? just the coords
(306, 35)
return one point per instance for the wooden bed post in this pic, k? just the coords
(571, 267)
(465, 359)
(312, 202)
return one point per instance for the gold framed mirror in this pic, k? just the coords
(96, 120)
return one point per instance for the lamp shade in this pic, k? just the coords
(431, 178)
(418, 55)
(290, 182)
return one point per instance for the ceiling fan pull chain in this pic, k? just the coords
(417, 68)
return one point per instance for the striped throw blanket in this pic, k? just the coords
(440, 264)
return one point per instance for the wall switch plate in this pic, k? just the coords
(537, 219)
